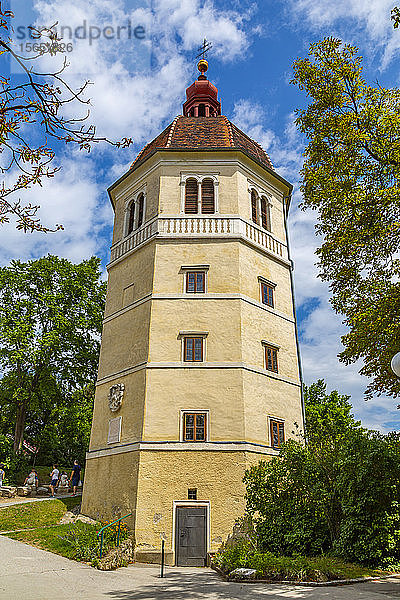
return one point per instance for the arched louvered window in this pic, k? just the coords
(254, 211)
(191, 197)
(265, 214)
(202, 110)
(140, 202)
(207, 197)
(131, 217)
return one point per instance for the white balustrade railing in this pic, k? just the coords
(133, 240)
(186, 226)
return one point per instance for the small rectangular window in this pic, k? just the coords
(271, 359)
(193, 349)
(267, 295)
(194, 427)
(277, 432)
(192, 494)
(195, 282)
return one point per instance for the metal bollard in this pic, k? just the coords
(162, 558)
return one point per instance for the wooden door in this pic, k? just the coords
(190, 536)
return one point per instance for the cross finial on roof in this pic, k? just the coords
(203, 49)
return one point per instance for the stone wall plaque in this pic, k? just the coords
(115, 396)
(114, 430)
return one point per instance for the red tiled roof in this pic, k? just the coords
(203, 133)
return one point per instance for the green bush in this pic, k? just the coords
(15, 465)
(279, 568)
(338, 494)
(110, 536)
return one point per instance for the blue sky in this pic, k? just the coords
(138, 88)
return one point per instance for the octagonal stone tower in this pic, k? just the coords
(199, 374)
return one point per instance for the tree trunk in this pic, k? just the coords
(20, 426)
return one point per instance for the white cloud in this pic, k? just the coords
(137, 87)
(72, 199)
(366, 21)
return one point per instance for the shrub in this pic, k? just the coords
(339, 494)
(111, 533)
(85, 542)
(279, 568)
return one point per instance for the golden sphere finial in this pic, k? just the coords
(202, 66)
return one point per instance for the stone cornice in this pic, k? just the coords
(176, 446)
(196, 365)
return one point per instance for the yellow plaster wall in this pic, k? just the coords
(169, 391)
(221, 255)
(130, 279)
(254, 264)
(258, 325)
(221, 318)
(266, 183)
(199, 164)
(147, 483)
(125, 340)
(265, 397)
(110, 487)
(131, 410)
(166, 476)
(127, 189)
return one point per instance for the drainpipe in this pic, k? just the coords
(291, 268)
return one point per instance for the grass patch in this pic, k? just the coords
(51, 538)
(297, 568)
(78, 541)
(35, 514)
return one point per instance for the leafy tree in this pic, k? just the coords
(351, 178)
(32, 107)
(61, 432)
(50, 324)
(339, 493)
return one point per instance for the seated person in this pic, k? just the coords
(63, 481)
(32, 480)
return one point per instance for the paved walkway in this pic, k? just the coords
(27, 572)
(24, 500)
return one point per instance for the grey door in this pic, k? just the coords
(190, 536)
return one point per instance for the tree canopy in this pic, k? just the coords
(338, 494)
(50, 325)
(350, 177)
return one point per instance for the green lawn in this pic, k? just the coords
(50, 538)
(35, 514)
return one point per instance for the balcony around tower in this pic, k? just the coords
(200, 227)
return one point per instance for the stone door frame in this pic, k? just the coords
(191, 504)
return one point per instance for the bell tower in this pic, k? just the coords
(199, 374)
